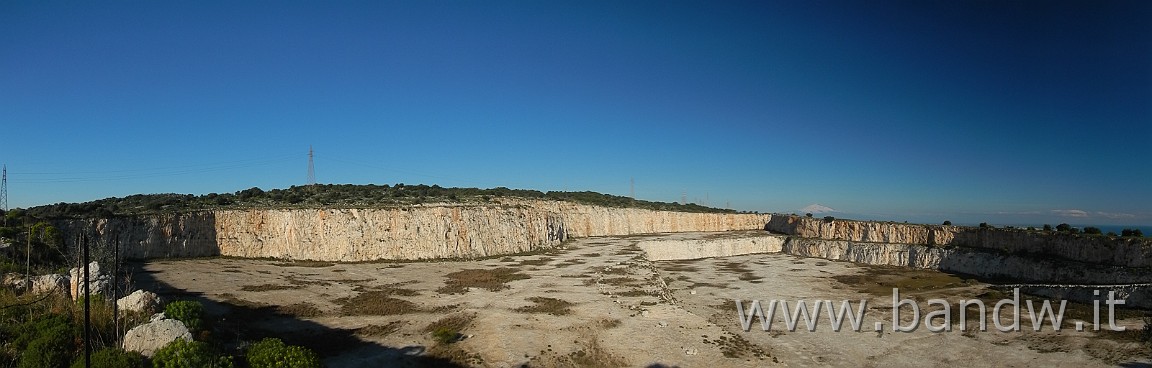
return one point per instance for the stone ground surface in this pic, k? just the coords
(606, 304)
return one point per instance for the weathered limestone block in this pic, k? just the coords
(50, 283)
(150, 337)
(98, 283)
(139, 301)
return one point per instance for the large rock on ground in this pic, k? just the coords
(98, 283)
(139, 301)
(150, 337)
(50, 283)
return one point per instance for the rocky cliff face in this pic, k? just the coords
(417, 232)
(967, 260)
(1100, 250)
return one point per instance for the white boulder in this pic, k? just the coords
(139, 301)
(50, 283)
(98, 283)
(150, 337)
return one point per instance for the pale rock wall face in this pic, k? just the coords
(372, 234)
(584, 221)
(670, 250)
(1101, 250)
(966, 260)
(144, 237)
(403, 233)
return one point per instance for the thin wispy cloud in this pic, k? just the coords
(1115, 215)
(1070, 213)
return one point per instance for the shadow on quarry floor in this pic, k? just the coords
(233, 323)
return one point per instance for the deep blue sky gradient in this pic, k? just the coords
(1000, 111)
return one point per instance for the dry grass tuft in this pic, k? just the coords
(379, 330)
(489, 279)
(553, 306)
(304, 309)
(304, 264)
(377, 303)
(266, 287)
(535, 262)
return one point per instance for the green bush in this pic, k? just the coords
(185, 354)
(51, 344)
(113, 358)
(187, 311)
(273, 353)
(446, 335)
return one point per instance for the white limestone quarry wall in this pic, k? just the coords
(399, 233)
(670, 250)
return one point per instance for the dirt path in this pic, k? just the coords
(600, 302)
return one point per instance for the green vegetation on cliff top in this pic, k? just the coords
(337, 196)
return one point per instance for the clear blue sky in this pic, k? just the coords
(999, 111)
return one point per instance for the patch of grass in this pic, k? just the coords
(379, 330)
(879, 281)
(490, 279)
(593, 355)
(633, 293)
(680, 268)
(266, 287)
(449, 329)
(389, 289)
(735, 346)
(304, 264)
(377, 303)
(296, 281)
(609, 323)
(553, 306)
(708, 284)
(535, 262)
(570, 262)
(456, 322)
(744, 273)
(615, 271)
(303, 309)
(618, 281)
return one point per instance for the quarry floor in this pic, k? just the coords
(601, 302)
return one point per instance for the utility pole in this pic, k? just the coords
(4, 193)
(311, 168)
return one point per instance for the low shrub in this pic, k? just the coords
(187, 311)
(113, 358)
(190, 354)
(51, 348)
(274, 353)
